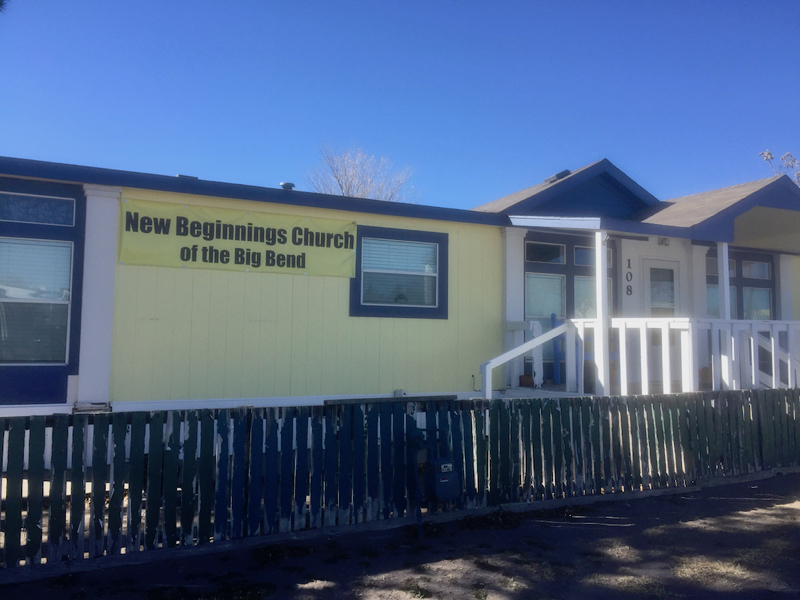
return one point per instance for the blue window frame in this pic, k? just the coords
(400, 273)
(41, 276)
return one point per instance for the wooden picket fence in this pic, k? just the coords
(83, 486)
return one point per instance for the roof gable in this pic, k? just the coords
(599, 189)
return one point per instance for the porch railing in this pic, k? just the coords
(665, 355)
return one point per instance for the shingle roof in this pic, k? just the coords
(505, 202)
(688, 211)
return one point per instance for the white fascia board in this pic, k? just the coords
(556, 222)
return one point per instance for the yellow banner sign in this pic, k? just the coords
(199, 237)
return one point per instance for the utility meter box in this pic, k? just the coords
(442, 483)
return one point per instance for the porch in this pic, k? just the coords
(650, 355)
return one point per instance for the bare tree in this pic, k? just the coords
(790, 163)
(357, 174)
(3, 4)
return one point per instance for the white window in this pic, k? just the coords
(35, 290)
(396, 272)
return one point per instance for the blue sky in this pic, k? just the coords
(479, 99)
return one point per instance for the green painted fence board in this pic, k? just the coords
(481, 452)
(117, 478)
(618, 469)
(547, 449)
(494, 466)
(56, 535)
(607, 451)
(467, 421)
(99, 480)
(504, 445)
(331, 466)
(33, 520)
(205, 476)
(189, 478)
(625, 431)
(287, 469)
(271, 457)
(652, 444)
(386, 456)
(239, 473)
(687, 452)
(345, 464)
(586, 441)
(457, 437)
(644, 445)
(678, 477)
(301, 475)
(255, 474)
(155, 466)
(536, 441)
(527, 450)
(399, 459)
(513, 489)
(78, 489)
(558, 450)
(597, 453)
(317, 467)
(13, 504)
(669, 437)
(222, 495)
(172, 436)
(412, 433)
(373, 463)
(636, 464)
(359, 465)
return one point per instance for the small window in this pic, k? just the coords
(554, 254)
(757, 303)
(584, 256)
(44, 210)
(399, 273)
(711, 266)
(712, 301)
(756, 270)
(35, 294)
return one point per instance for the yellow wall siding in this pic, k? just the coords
(196, 334)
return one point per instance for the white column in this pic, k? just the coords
(723, 268)
(513, 299)
(601, 328)
(97, 314)
(784, 288)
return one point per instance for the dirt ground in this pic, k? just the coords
(736, 541)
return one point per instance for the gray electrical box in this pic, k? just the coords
(442, 483)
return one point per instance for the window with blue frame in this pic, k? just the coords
(41, 258)
(400, 273)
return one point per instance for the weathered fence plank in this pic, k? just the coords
(117, 477)
(317, 467)
(301, 475)
(286, 476)
(56, 537)
(189, 480)
(255, 475)
(172, 434)
(239, 473)
(77, 488)
(155, 466)
(205, 476)
(14, 476)
(33, 520)
(99, 479)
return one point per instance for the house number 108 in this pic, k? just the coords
(629, 278)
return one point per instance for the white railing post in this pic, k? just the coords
(601, 358)
(536, 357)
(581, 357)
(666, 366)
(571, 360)
(716, 357)
(754, 346)
(687, 360)
(776, 359)
(643, 357)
